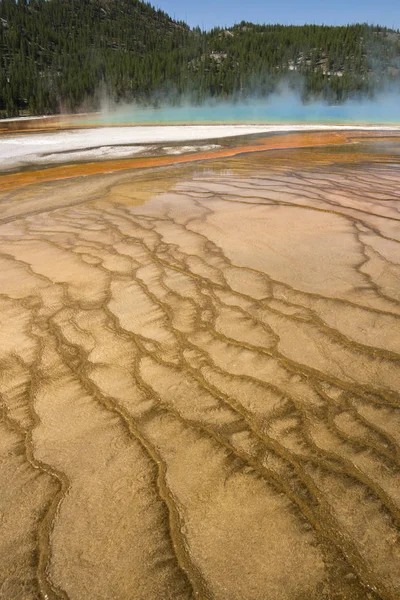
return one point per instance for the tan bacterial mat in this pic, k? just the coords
(199, 378)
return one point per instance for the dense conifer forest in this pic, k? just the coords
(64, 55)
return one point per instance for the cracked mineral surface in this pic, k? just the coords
(199, 379)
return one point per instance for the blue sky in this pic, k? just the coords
(209, 13)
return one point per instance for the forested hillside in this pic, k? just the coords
(63, 55)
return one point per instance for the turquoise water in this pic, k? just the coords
(279, 111)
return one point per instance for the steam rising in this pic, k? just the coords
(283, 107)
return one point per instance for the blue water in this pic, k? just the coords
(279, 110)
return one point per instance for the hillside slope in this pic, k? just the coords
(65, 54)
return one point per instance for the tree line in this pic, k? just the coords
(63, 55)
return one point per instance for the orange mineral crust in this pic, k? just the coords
(287, 141)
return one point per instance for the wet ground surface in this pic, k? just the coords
(199, 380)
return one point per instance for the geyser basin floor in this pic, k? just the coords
(46, 148)
(160, 155)
(199, 381)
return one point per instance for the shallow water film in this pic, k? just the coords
(199, 380)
